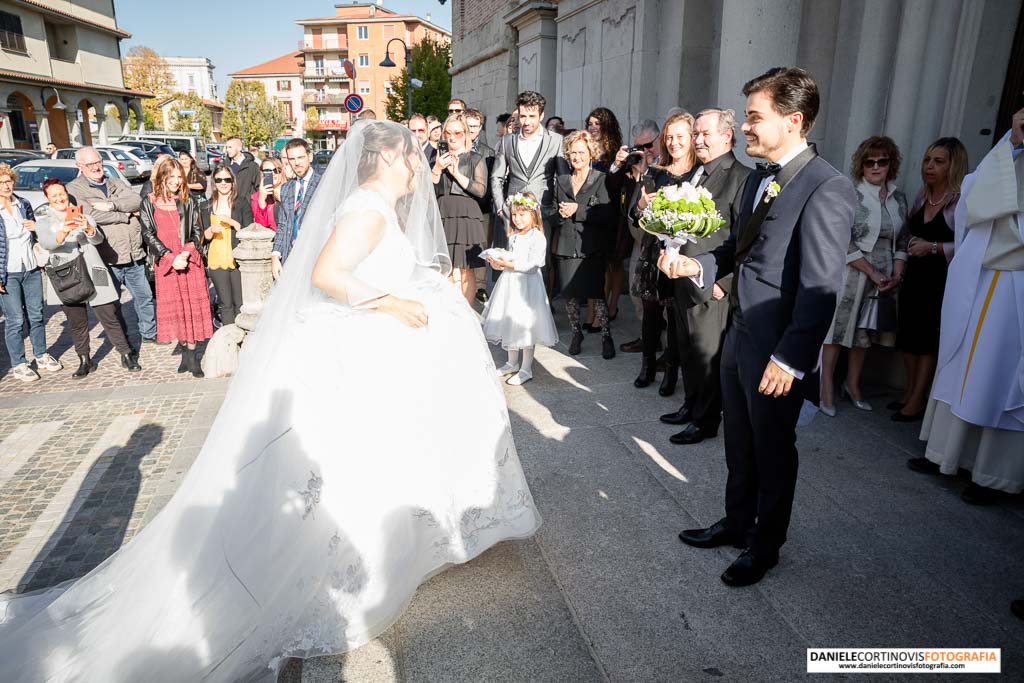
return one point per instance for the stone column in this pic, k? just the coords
(101, 127)
(537, 48)
(253, 257)
(43, 128)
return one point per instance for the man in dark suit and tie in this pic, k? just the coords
(296, 196)
(787, 253)
(704, 313)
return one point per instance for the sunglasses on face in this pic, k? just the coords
(228, 181)
(455, 111)
(647, 145)
(876, 163)
(271, 170)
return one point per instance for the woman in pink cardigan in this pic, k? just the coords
(264, 198)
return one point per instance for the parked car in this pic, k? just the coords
(32, 174)
(125, 164)
(13, 157)
(179, 142)
(321, 159)
(152, 148)
(144, 163)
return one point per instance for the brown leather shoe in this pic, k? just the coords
(635, 346)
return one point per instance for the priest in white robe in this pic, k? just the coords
(975, 418)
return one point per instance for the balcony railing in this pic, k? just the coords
(326, 43)
(316, 98)
(324, 74)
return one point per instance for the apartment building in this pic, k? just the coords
(282, 79)
(60, 74)
(357, 32)
(193, 75)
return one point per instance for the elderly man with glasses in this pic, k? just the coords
(115, 208)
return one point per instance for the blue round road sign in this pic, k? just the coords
(354, 103)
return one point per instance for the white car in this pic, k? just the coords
(32, 175)
(125, 163)
(144, 163)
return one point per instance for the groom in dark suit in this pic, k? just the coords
(787, 252)
(702, 314)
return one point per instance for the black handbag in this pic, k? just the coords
(71, 281)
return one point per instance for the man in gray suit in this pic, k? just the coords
(702, 313)
(526, 161)
(787, 252)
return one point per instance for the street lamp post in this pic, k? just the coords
(388, 62)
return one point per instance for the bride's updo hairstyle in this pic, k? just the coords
(378, 137)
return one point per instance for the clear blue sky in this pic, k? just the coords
(236, 34)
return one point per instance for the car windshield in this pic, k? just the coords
(33, 177)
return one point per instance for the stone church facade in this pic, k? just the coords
(911, 69)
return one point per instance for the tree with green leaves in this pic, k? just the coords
(250, 115)
(179, 122)
(430, 63)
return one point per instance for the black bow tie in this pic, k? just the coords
(769, 168)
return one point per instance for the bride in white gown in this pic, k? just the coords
(364, 445)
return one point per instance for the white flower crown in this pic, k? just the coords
(523, 200)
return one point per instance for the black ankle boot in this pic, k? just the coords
(647, 372)
(183, 365)
(192, 360)
(129, 362)
(607, 347)
(576, 344)
(668, 381)
(85, 366)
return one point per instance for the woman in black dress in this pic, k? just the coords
(584, 237)
(460, 182)
(930, 228)
(650, 284)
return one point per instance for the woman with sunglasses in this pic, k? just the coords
(264, 199)
(226, 214)
(173, 234)
(866, 308)
(460, 182)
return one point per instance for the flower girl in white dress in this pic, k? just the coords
(518, 315)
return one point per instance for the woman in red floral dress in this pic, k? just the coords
(172, 231)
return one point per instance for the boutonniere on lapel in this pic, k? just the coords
(772, 191)
(593, 201)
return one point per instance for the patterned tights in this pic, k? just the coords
(572, 307)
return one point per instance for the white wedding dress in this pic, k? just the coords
(354, 457)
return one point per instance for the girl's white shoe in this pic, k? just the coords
(507, 369)
(519, 378)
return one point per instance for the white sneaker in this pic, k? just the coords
(49, 363)
(519, 378)
(507, 369)
(25, 373)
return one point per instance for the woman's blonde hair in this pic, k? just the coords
(957, 160)
(163, 169)
(686, 117)
(8, 170)
(534, 210)
(577, 135)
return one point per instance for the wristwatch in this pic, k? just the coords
(935, 247)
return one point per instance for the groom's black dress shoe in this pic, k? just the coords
(692, 434)
(715, 535)
(680, 417)
(748, 569)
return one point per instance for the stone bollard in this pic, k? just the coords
(253, 256)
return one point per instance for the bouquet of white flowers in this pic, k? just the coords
(680, 214)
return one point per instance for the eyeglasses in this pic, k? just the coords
(456, 111)
(227, 181)
(876, 163)
(455, 133)
(91, 164)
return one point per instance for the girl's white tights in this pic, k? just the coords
(523, 372)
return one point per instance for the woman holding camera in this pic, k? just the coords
(66, 233)
(460, 182)
(269, 193)
(226, 215)
(172, 232)
(650, 284)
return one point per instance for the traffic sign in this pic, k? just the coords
(354, 103)
(195, 127)
(187, 112)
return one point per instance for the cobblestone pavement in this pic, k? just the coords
(85, 463)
